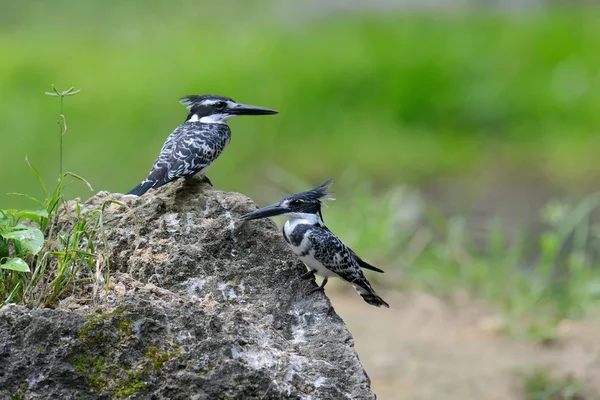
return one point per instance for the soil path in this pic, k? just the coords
(427, 348)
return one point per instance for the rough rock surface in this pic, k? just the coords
(205, 307)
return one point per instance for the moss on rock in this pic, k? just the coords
(113, 359)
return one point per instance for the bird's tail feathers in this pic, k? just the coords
(371, 297)
(142, 188)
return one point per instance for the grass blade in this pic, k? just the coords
(79, 178)
(12, 293)
(38, 177)
(26, 196)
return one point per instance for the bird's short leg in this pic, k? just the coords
(320, 288)
(308, 274)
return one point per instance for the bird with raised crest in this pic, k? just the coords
(194, 145)
(318, 248)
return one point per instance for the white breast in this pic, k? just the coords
(308, 259)
(291, 224)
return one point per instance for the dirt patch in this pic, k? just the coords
(427, 348)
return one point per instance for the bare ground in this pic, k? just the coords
(426, 348)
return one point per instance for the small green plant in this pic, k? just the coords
(41, 256)
(19, 244)
(540, 384)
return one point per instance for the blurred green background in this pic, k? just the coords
(483, 103)
(399, 96)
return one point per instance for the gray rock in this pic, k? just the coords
(205, 307)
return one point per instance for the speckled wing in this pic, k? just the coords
(334, 255)
(191, 148)
(361, 262)
(330, 251)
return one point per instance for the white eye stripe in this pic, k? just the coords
(210, 102)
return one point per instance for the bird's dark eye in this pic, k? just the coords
(220, 105)
(296, 202)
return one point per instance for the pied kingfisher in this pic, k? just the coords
(322, 252)
(193, 146)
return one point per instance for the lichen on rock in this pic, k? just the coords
(202, 306)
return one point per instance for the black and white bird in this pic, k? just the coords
(193, 146)
(318, 248)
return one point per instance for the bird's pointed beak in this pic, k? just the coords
(246, 109)
(268, 211)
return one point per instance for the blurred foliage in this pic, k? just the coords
(542, 384)
(398, 96)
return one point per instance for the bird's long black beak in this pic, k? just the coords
(268, 211)
(245, 109)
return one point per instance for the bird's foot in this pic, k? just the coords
(308, 274)
(193, 179)
(320, 288)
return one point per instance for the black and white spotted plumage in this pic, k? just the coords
(193, 146)
(318, 248)
(190, 149)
